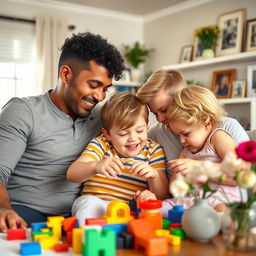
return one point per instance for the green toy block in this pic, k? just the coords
(99, 243)
(179, 232)
(166, 224)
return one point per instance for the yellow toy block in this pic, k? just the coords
(55, 222)
(118, 212)
(48, 243)
(44, 230)
(173, 240)
(37, 238)
(77, 240)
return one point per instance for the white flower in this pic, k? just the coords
(230, 164)
(246, 179)
(179, 187)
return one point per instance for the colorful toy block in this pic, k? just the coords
(61, 247)
(179, 232)
(37, 226)
(118, 212)
(95, 221)
(171, 239)
(69, 223)
(77, 240)
(100, 243)
(33, 248)
(89, 227)
(128, 240)
(55, 222)
(16, 234)
(175, 214)
(166, 224)
(49, 242)
(118, 228)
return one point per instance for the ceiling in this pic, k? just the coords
(135, 7)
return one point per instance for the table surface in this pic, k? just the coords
(215, 247)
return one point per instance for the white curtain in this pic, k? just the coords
(50, 35)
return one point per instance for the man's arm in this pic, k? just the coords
(8, 217)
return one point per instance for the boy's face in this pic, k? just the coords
(128, 142)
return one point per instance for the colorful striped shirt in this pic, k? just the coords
(125, 185)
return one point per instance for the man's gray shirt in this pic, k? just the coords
(38, 142)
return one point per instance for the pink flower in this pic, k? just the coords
(247, 151)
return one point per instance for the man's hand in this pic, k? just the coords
(9, 219)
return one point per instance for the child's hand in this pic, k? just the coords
(143, 169)
(144, 195)
(109, 167)
(182, 165)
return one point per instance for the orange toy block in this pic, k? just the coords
(146, 238)
(95, 221)
(69, 223)
(118, 212)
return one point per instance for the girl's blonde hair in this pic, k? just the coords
(161, 78)
(195, 106)
(122, 109)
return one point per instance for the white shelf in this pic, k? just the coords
(128, 84)
(244, 57)
(237, 100)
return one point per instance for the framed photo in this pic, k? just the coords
(251, 35)
(239, 89)
(231, 26)
(186, 53)
(222, 82)
(251, 81)
(197, 48)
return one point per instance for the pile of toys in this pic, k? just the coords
(118, 229)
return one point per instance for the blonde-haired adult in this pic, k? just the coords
(158, 93)
(195, 117)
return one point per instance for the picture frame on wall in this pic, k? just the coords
(231, 26)
(239, 89)
(251, 35)
(251, 81)
(186, 53)
(197, 48)
(222, 82)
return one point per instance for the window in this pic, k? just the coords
(17, 60)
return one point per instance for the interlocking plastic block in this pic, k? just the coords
(33, 248)
(55, 222)
(95, 221)
(100, 243)
(16, 234)
(128, 240)
(179, 232)
(175, 214)
(69, 223)
(77, 240)
(61, 247)
(119, 242)
(173, 240)
(118, 228)
(165, 224)
(37, 226)
(49, 242)
(36, 236)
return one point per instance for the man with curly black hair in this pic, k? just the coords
(41, 136)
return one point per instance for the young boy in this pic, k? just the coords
(122, 163)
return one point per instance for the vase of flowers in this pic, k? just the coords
(207, 37)
(239, 223)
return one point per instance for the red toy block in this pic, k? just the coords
(69, 223)
(95, 221)
(61, 247)
(16, 234)
(69, 237)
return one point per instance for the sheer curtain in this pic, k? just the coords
(50, 35)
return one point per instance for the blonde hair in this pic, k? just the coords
(196, 105)
(161, 78)
(122, 109)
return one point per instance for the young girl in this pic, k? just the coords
(122, 163)
(195, 116)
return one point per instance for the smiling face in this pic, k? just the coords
(130, 141)
(160, 102)
(81, 92)
(191, 137)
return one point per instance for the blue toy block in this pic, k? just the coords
(37, 226)
(175, 214)
(118, 228)
(33, 248)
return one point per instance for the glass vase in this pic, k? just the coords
(239, 229)
(208, 53)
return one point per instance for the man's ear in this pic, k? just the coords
(106, 133)
(66, 74)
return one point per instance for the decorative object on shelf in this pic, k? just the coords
(231, 32)
(251, 35)
(126, 76)
(239, 89)
(193, 82)
(207, 37)
(251, 80)
(240, 224)
(186, 54)
(197, 48)
(222, 82)
(135, 55)
(201, 222)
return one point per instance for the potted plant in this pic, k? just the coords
(207, 36)
(135, 55)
